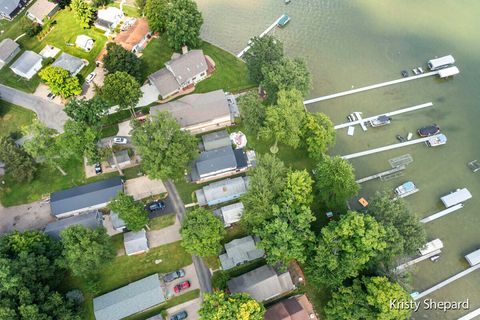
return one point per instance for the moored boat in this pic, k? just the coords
(429, 130)
(437, 140)
(283, 20)
(406, 189)
(380, 121)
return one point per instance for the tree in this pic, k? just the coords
(86, 250)
(263, 51)
(345, 247)
(253, 112)
(318, 134)
(78, 140)
(20, 165)
(183, 24)
(122, 89)
(141, 6)
(283, 122)
(30, 28)
(202, 233)
(60, 82)
(119, 59)
(156, 12)
(88, 112)
(266, 182)
(83, 12)
(287, 74)
(335, 181)
(165, 149)
(238, 306)
(130, 211)
(368, 298)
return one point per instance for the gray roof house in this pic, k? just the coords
(27, 65)
(42, 9)
(87, 197)
(135, 242)
(8, 50)
(230, 214)
(202, 112)
(9, 8)
(133, 298)
(89, 220)
(222, 191)
(70, 63)
(240, 251)
(262, 284)
(117, 223)
(216, 140)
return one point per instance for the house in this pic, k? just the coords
(197, 113)
(27, 65)
(70, 63)
(230, 214)
(123, 159)
(294, 308)
(10, 8)
(130, 299)
(222, 191)
(262, 284)
(135, 242)
(136, 37)
(87, 197)
(216, 140)
(240, 251)
(108, 18)
(84, 42)
(42, 9)
(91, 220)
(117, 223)
(179, 73)
(8, 50)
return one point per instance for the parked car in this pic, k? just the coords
(120, 140)
(429, 130)
(169, 277)
(179, 315)
(90, 77)
(51, 96)
(181, 286)
(155, 206)
(98, 168)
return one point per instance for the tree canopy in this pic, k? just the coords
(253, 112)
(318, 134)
(156, 13)
(166, 150)
(119, 59)
(130, 211)
(183, 24)
(263, 51)
(83, 12)
(79, 141)
(202, 233)
(238, 306)
(20, 166)
(122, 89)
(88, 112)
(60, 82)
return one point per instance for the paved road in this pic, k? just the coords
(51, 114)
(203, 272)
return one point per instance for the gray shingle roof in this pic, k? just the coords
(68, 62)
(214, 161)
(188, 65)
(90, 220)
(216, 140)
(240, 251)
(8, 6)
(7, 48)
(42, 8)
(164, 81)
(128, 300)
(117, 222)
(135, 242)
(224, 189)
(26, 61)
(85, 196)
(232, 213)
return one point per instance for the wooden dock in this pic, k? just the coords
(273, 25)
(381, 174)
(371, 87)
(442, 213)
(417, 260)
(471, 315)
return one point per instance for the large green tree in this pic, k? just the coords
(335, 181)
(122, 89)
(79, 140)
(83, 12)
(345, 247)
(20, 166)
(202, 233)
(239, 306)
(86, 250)
(156, 12)
(368, 298)
(130, 211)
(318, 134)
(166, 150)
(253, 112)
(183, 24)
(263, 51)
(88, 112)
(60, 82)
(119, 59)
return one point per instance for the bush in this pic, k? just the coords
(30, 28)
(219, 280)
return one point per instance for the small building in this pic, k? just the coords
(216, 140)
(240, 251)
(41, 10)
(70, 63)
(87, 197)
(27, 65)
(136, 37)
(230, 214)
(130, 299)
(456, 197)
(262, 284)
(91, 220)
(473, 258)
(222, 191)
(8, 50)
(123, 159)
(202, 112)
(84, 42)
(294, 308)
(108, 18)
(117, 223)
(135, 242)
(10, 8)
(441, 62)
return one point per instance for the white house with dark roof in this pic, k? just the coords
(91, 220)
(70, 63)
(10, 8)
(222, 191)
(8, 50)
(42, 9)
(240, 251)
(27, 65)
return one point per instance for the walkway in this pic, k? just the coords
(442, 213)
(273, 25)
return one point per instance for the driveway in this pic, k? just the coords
(105, 142)
(88, 89)
(42, 91)
(190, 275)
(35, 215)
(51, 114)
(191, 307)
(166, 235)
(143, 187)
(150, 95)
(124, 128)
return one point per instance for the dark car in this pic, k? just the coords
(155, 206)
(179, 316)
(429, 130)
(98, 168)
(169, 277)
(181, 286)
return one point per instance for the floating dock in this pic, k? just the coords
(471, 315)
(273, 25)
(442, 213)
(382, 174)
(417, 260)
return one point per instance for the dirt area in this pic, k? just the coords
(191, 307)
(34, 215)
(143, 187)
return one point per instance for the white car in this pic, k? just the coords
(120, 140)
(90, 77)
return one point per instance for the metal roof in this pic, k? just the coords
(216, 140)
(68, 62)
(188, 65)
(456, 197)
(135, 242)
(7, 48)
(89, 220)
(26, 61)
(240, 251)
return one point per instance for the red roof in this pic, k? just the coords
(129, 38)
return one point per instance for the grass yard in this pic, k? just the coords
(13, 118)
(186, 189)
(162, 222)
(130, 11)
(155, 55)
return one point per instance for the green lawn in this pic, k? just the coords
(186, 189)
(128, 10)
(155, 55)
(162, 222)
(13, 118)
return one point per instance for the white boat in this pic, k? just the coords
(436, 140)
(415, 71)
(380, 121)
(420, 69)
(409, 136)
(406, 189)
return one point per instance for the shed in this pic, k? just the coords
(8, 50)
(240, 251)
(89, 220)
(456, 197)
(441, 62)
(70, 63)
(84, 42)
(230, 214)
(135, 242)
(42, 9)
(216, 140)
(473, 258)
(27, 65)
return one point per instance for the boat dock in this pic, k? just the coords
(446, 282)
(388, 114)
(417, 260)
(382, 174)
(270, 28)
(471, 315)
(442, 213)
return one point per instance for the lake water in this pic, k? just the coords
(357, 43)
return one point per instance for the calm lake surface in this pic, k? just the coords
(358, 43)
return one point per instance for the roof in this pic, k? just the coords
(456, 197)
(116, 221)
(447, 72)
(26, 61)
(473, 258)
(85, 196)
(164, 81)
(240, 251)
(83, 41)
(68, 62)
(109, 15)
(232, 213)
(9, 6)
(293, 308)
(135, 242)
(214, 161)
(196, 108)
(135, 297)
(7, 48)
(223, 188)
(216, 140)
(188, 65)
(442, 61)
(42, 8)
(89, 220)
(262, 283)
(131, 37)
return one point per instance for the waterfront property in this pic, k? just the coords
(42, 10)
(240, 251)
(8, 50)
(27, 65)
(89, 220)
(222, 191)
